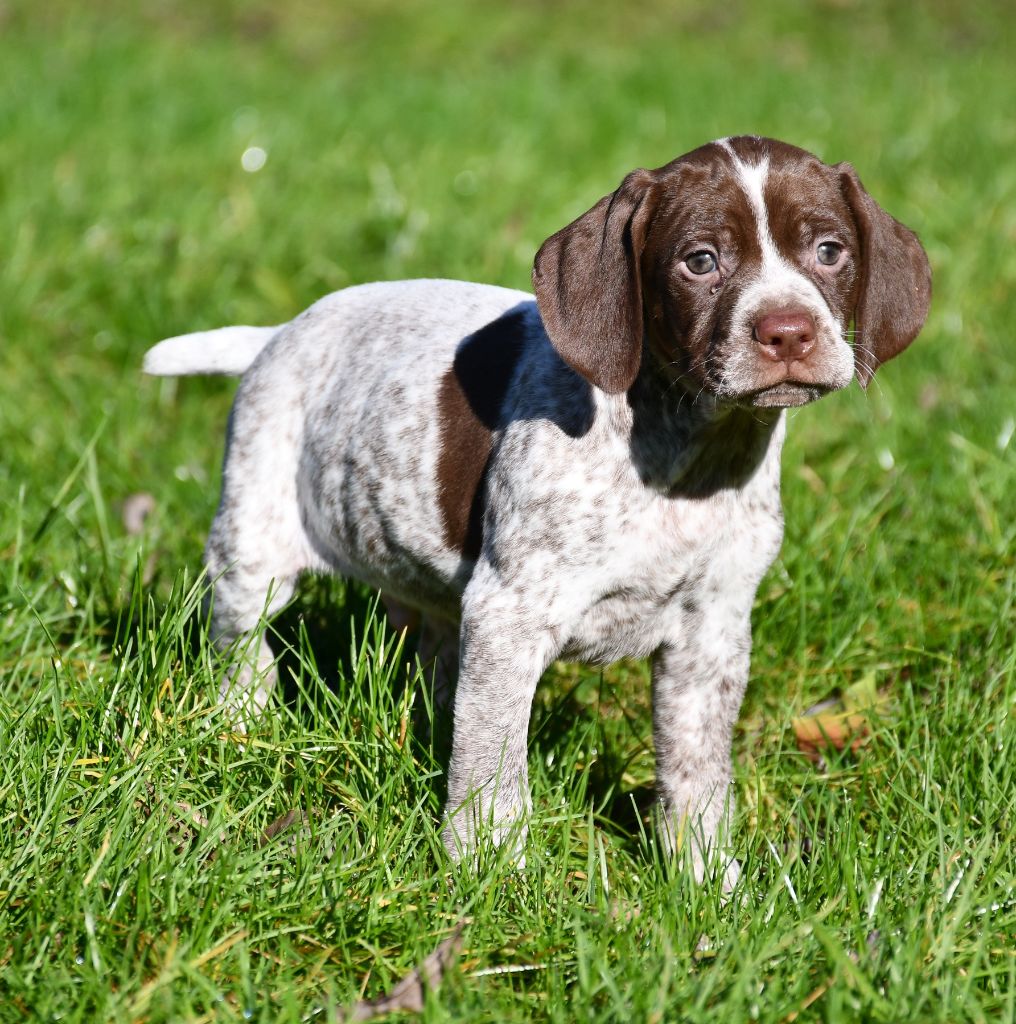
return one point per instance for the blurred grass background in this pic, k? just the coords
(407, 139)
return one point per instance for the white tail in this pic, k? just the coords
(227, 351)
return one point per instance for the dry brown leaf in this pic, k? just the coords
(840, 722)
(816, 733)
(281, 824)
(408, 995)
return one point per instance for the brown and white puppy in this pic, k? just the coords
(590, 475)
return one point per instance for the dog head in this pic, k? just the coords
(739, 268)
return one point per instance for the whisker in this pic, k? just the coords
(677, 380)
(867, 362)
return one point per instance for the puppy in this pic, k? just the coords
(591, 475)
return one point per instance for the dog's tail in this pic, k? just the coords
(227, 351)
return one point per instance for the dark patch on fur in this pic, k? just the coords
(689, 450)
(470, 404)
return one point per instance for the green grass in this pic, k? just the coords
(445, 140)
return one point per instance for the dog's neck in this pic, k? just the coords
(691, 445)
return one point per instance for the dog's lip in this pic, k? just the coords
(785, 394)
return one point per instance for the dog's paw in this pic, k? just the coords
(471, 847)
(245, 693)
(731, 875)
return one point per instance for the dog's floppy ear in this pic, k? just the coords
(895, 281)
(589, 287)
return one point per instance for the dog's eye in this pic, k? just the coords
(702, 262)
(828, 253)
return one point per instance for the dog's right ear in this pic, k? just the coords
(589, 288)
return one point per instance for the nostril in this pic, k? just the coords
(785, 335)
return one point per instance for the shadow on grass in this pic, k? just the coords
(326, 624)
(321, 635)
(329, 618)
(604, 785)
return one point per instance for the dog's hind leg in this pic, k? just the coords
(245, 593)
(256, 549)
(438, 650)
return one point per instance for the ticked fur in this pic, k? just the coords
(590, 475)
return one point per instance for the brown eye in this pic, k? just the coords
(828, 253)
(702, 262)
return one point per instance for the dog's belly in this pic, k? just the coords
(376, 522)
(622, 624)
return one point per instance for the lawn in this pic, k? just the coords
(166, 167)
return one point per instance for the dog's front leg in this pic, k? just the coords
(503, 653)
(698, 682)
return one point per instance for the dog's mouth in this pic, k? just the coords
(784, 395)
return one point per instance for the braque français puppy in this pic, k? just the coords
(591, 475)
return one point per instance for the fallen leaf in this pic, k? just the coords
(863, 694)
(408, 995)
(816, 733)
(842, 722)
(281, 824)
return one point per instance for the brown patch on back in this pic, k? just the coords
(470, 400)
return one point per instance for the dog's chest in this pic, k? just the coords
(678, 564)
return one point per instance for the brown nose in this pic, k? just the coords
(785, 335)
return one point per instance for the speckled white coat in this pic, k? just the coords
(618, 519)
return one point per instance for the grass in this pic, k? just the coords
(137, 879)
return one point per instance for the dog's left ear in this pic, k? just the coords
(589, 286)
(895, 281)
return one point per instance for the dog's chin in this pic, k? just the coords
(785, 395)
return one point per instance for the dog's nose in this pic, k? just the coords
(786, 335)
